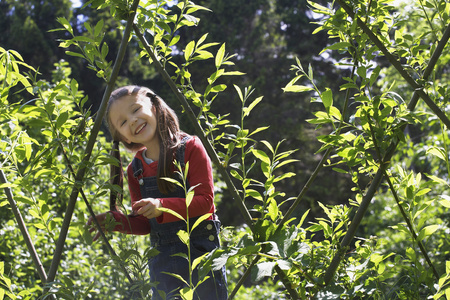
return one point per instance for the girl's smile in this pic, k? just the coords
(140, 128)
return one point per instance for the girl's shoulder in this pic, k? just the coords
(192, 141)
(194, 147)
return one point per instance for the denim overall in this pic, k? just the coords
(204, 238)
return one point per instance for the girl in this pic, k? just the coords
(144, 123)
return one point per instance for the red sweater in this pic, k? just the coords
(200, 172)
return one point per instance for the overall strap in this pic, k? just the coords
(138, 169)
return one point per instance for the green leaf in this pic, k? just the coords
(297, 89)
(284, 176)
(273, 210)
(62, 118)
(189, 50)
(174, 40)
(191, 18)
(340, 46)
(218, 88)
(219, 56)
(261, 155)
(164, 26)
(187, 293)
(98, 27)
(172, 212)
(189, 197)
(200, 219)
(268, 145)
(233, 73)
(438, 152)
(71, 53)
(179, 277)
(253, 193)
(248, 109)
(65, 24)
(261, 270)
(427, 231)
(422, 192)
(258, 130)
(184, 236)
(446, 201)
(235, 174)
(327, 99)
(198, 260)
(172, 180)
(7, 185)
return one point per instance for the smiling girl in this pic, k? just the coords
(145, 124)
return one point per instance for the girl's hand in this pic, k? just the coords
(148, 207)
(102, 220)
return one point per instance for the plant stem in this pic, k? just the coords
(355, 223)
(97, 224)
(90, 145)
(402, 211)
(319, 165)
(410, 227)
(244, 277)
(23, 229)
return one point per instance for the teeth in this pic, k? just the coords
(140, 128)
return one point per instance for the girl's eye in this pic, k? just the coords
(123, 123)
(136, 109)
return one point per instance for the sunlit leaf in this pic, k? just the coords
(298, 89)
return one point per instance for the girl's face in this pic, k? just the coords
(134, 117)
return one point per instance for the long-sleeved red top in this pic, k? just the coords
(199, 173)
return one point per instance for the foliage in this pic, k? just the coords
(401, 247)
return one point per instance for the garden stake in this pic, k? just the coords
(378, 177)
(90, 145)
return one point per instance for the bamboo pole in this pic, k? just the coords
(90, 145)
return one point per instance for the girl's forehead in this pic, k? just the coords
(126, 101)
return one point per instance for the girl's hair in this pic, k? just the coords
(167, 129)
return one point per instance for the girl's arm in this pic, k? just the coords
(132, 224)
(129, 224)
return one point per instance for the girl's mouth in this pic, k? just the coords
(139, 129)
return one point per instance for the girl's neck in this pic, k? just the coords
(152, 152)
